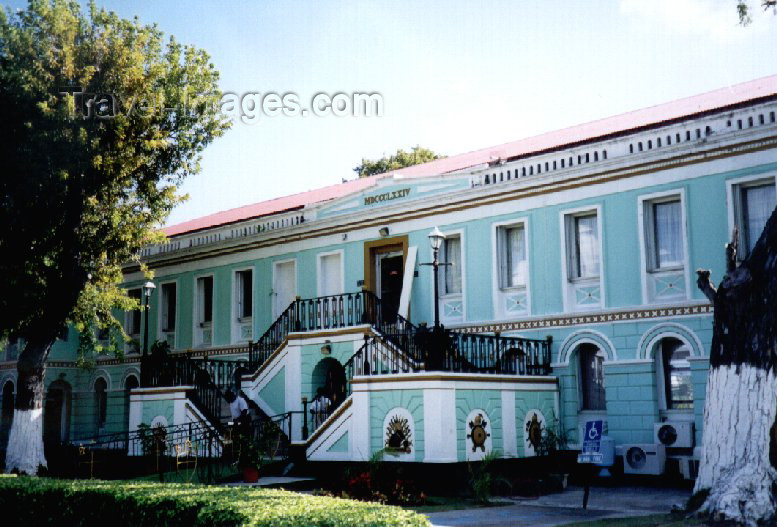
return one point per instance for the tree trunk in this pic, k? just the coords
(735, 466)
(25, 442)
(741, 399)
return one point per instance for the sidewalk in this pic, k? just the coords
(566, 507)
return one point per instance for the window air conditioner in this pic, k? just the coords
(644, 459)
(674, 434)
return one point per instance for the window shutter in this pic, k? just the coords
(502, 255)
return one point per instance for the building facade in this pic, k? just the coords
(570, 294)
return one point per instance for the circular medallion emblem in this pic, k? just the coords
(478, 433)
(534, 431)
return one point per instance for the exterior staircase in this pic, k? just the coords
(393, 346)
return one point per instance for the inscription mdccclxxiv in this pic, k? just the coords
(387, 196)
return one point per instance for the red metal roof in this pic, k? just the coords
(273, 206)
(654, 115)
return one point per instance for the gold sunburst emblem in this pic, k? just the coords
(398, 435)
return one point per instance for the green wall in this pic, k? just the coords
(383, 402)
(490, 401)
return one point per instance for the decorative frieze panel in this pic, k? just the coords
(207, 337)
(594, 318)
(452, 310)
(516, 304)
(587, 296)
(666, 286)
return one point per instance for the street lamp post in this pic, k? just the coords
(436, 342)
(148, 288)
(435, 240)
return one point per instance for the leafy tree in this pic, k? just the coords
(401, 159)
(744, 10)
(86, 179)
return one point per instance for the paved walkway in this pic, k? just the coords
(566, 507)
(271, 481)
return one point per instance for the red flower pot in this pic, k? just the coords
(250, 475)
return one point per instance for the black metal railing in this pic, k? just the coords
(225, 373)
(316, 412)
(476, 353)
(175, 370)
(418, 349)
(177, 453)
(311, 314)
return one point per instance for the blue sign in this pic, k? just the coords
(592, 442)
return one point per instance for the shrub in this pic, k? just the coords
(383, 483)
(481, 477)
(41, 501)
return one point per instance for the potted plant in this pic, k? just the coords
(249, 460)
(553, 443)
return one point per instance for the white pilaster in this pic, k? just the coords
(293, 388)
(440, 425)
(359, 438)
(509, 430)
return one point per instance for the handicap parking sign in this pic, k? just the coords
(592, 439)
(592, 442)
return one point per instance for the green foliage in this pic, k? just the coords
(481, 477)
(152, 440)
(745, 11)
(40, 501)
(81, 195)
(552, 440)
(401, 159)
(382, 483)
(250, 454)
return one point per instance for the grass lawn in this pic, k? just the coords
(654, 520)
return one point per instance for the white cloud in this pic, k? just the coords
(714, 18)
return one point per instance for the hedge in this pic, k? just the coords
(33, 501)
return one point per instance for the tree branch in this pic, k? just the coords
(732, 248)
(704, 283)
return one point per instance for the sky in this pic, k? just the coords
(453, 76)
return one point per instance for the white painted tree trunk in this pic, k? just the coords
(739, 412)
(25, 442)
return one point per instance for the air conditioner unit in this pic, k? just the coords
(674, 434)
(644, 459)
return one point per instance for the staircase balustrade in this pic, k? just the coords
(312, 314)
(160, 371)
(417, 349)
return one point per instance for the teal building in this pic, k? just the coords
(568, 295)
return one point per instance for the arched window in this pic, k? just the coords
(100, 403)
(674, 372)
(130, 383)
(591, 360)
